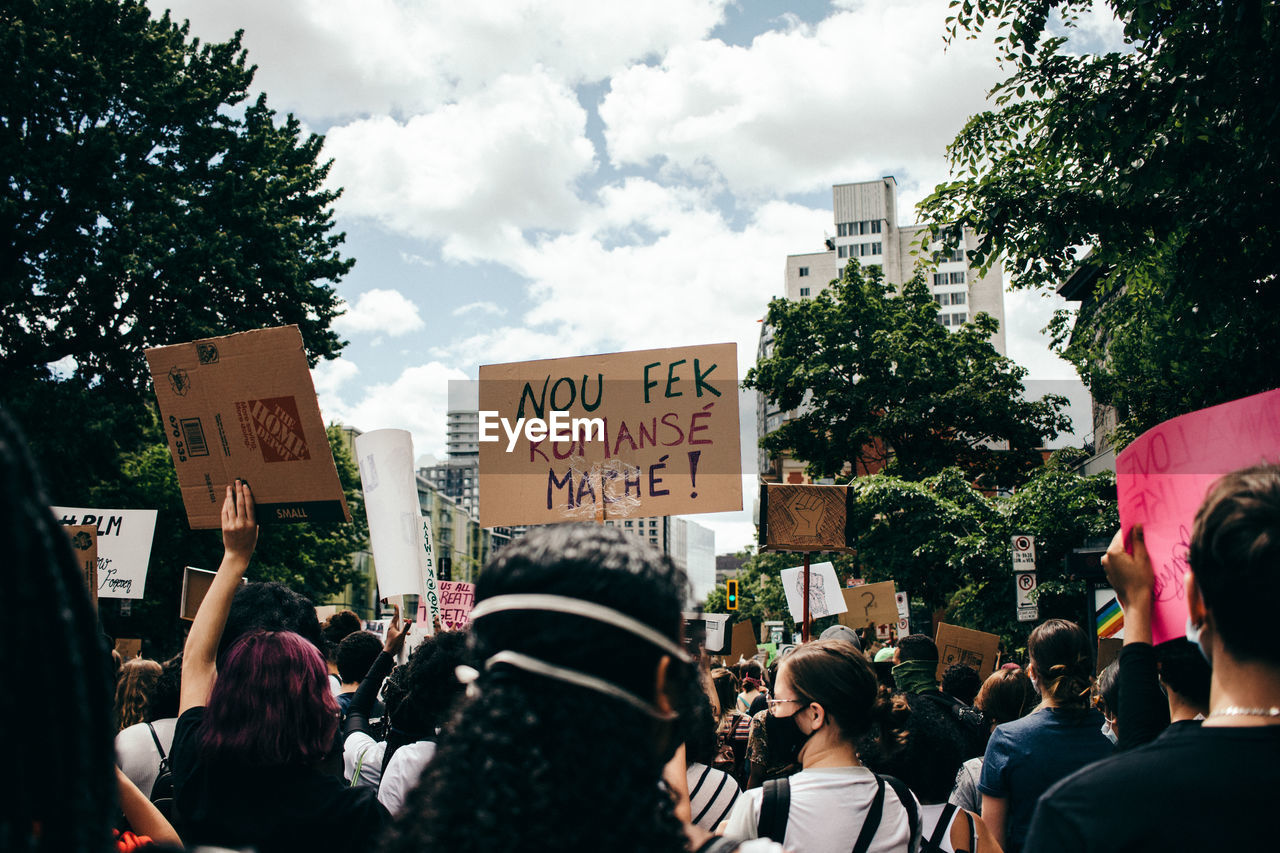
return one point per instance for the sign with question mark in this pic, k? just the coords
(871, 604)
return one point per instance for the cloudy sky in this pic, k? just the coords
(541, 178)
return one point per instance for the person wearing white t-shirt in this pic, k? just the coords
(824, 696)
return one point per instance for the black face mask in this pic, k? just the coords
(785, 738)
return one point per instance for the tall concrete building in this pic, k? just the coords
(459, 476)
(865, 227)
(690, 546)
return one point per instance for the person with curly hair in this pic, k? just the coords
(138, 679)
(1026, 757)
(568, 723)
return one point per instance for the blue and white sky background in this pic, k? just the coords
(543, 178)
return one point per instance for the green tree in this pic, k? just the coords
(1161, 159)
(143, 204)
(947, 545)
(313, 559)
(863, 365)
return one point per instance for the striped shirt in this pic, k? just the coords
(712, 794)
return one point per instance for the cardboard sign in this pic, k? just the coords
(656, 434)
(975, 649)
(456, 600)
(804, 518)
(1108, 650)
(871, 604)
(124, 546)
(715, 632)
(243, 406)
(129, 648)
(824, 591)
(385, 458)
(1163, 477)
(195, 586)
(743, 642)
(84, 542)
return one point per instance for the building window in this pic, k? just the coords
(804, 291)
(841, 251)
(957, 298)
(957, 278)
(875, 227)
(944, 319)
(840, 229)
(939, 279)
(876, 249)
(958, 319)
(804, 271)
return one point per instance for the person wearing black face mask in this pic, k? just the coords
(822, 704)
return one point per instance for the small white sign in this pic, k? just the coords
(904, 614)
(825, 598)
(1024, 583)
(1024, 553)
(715, 641)
(124, 546)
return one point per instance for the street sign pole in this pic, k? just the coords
(1024, 576)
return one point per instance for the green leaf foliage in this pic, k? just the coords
(948, 545)
(865, 366)
(1162, 160)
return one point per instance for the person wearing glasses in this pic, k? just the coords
(822, 704)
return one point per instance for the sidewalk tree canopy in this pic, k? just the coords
(863, 366)
(1161, 158)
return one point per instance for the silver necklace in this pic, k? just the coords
(1242, 711)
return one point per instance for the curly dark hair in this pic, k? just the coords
(164, 698)
(270, 606)
(529, 762)
(53, 645)
(962, 682)
(919, 744)
(420, 693)
(356, 653)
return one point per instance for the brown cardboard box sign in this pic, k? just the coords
(243, 406)
(975, 649)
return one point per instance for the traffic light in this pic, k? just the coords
(731, 594)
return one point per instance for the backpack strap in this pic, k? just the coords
(908, 801)
(871, 823)
(775, 809)
(156, 738)
(973, 833)
(940, 831)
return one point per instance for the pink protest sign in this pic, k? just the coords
(456, 601)
(1162, 479)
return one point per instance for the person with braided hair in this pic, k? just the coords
(1024, 758)
(568, 721)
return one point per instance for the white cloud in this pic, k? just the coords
(864, 93)
(386, 312)
(479, 308)
(472, 174)
(416, 400)
(329, 376)
(345, 58)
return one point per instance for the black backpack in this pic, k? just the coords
(933, 844)
(969, 720)
(162, 790)
(775, 809)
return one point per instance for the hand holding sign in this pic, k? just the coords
(239, 522)
(396, 633)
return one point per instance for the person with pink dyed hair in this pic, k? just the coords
(251, 730)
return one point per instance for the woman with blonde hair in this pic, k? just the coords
(1026, 757)
(138, 679)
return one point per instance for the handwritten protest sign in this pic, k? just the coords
(129, 647)
(456, 600)
(975, 649)
(644, 433)
(429, 599)
(824, 591)
(1163, 477)
(124, 546)
(804, 518)
(244, 407)
(385, 458)
(873, 604)
(84, 542)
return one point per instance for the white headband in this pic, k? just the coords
(578, 607)
(467, 675)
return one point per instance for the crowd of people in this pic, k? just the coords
(573, 714)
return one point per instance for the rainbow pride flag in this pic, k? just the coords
(1109, 619)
